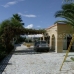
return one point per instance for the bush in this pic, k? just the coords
(19, 40)
(26, 40)
(72, 58)
(1, 46)
(30, 41)
(10, 48)
(2, 52)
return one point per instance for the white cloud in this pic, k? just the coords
(28, 15)
(11, 3)
(29, 26)
(38, 26)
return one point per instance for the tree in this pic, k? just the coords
(67, 13)
(8, 30)
(68, 0)
(18, 18)
(3, 25)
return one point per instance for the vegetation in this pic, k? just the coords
(72, 58)
(33, 31)
(67, 13)
(20, 39)
(68, 0)
(10, 30)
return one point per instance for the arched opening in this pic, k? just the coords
(47, 38)
(53, 42)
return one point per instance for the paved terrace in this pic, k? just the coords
(27, 61)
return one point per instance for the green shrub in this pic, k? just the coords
(2, 52)
(19, 40)
(10, 48)
(72, 58)
(30, 41)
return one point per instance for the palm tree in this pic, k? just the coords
(68, 0)
(18, 18)
(67, 13)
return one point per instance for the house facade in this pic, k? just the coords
(59, 37)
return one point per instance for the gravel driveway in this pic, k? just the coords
(27, 61)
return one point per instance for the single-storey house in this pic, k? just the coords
(59, 37)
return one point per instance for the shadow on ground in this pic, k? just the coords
(26, 51)
(4, 63)
(16, 45)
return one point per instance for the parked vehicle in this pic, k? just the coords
(41, 46)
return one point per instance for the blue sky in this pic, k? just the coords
(35, 13)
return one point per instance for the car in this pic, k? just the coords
(41, 46)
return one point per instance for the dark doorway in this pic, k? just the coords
(47, 39)
(68, 42)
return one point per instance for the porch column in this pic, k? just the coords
(50, 42)
(59, 45)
